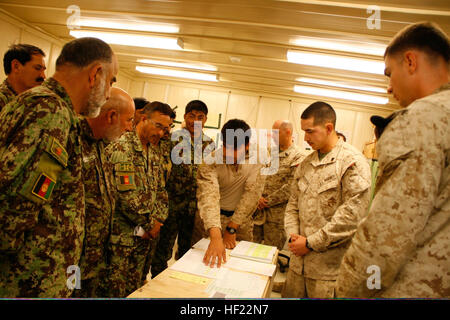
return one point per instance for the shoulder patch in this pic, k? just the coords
(58, 151)
(43, 187)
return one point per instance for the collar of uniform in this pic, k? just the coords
(57, 88)
(286, 152)
(330, 156)
(8, 85)
(86, 129)
(135, 141)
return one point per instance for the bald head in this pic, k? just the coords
(116, 116)
(285, 130)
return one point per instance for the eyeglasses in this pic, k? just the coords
(161, 127)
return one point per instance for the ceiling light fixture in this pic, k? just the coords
(341, 95)
(341, 85)
(178, 73)
(133, 40)
(341, 45)
(127, 25)
(198, 66)
(336, 62)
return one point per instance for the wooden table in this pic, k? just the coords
(164, 286)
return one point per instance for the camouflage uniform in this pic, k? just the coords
(42, 193)
(210, 184)
(97, 172)
(182, 189)
(161, 159)
(329, 197)
(138, 203)
(407, 230)
(7, 94)
(276, 192)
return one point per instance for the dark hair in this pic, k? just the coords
(196, 105)
(21, 52)
(235, 125)
(424, 36)
(341, 135)
(322, 113)
(139, 103)
(162, 107)
(83, 51)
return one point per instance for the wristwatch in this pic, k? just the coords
(308, 246)
(231, 230)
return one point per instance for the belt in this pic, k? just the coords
(226, 213)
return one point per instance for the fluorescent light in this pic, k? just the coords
(178, 73)
(131, 39)
(341, 95)
(127, 25)
(336, 62)
(339, 45)
(179, 64)
(341, 85)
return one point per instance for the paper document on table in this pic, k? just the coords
(192, 262)
(189, 277)
(254, 251)
(202, 244)
(262, 268)
(237, 285)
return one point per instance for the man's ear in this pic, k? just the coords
(329, 126)
(15, 65)
(410, 58)
(112, 116)
(95, 71)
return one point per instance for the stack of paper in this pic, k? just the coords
(254, 251)
(232, 284)
(192, 262)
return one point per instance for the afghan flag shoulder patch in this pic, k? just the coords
(126, 179)
(43, 187)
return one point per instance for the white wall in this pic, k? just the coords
(259, 111)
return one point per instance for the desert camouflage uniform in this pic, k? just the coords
(7, 94)
(209, 180)
(329, 197)
(41, 193)
(138, 201)
(182, 189)
(407, 231)
(97, 172)
(270, 227)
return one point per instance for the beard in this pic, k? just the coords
(96, 100)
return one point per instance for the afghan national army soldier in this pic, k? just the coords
(329, 196)
(269, 224)
(160, 157)
(141, 200)
(116, 117)
(24, 66)
(41, 186)
(228, 193)
(182, 186)
(402, 248)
